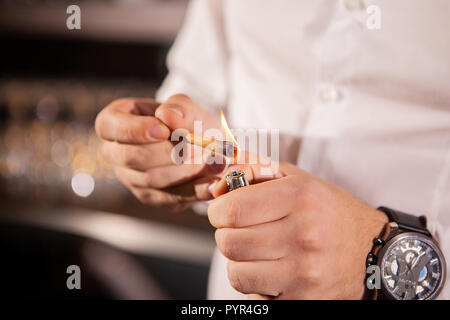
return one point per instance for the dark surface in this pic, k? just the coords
(39, 55)
(34, 262)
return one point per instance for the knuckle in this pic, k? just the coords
(150, 179)
(154, 178)
(226, 243)
(129, 133)
(143, 196)
(309, 273)
(97, 124)
(105, 151)
(153, 197)
(180, 98)
(129, 104)
(128, 156)
(223, 214)
(100, 121)
(234, 277)
(162, 198)
(310, 239)
(169, 199)
(232, 214)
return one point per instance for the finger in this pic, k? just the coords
(142, 157)
(255, 173)
(258, 277)
(164, 177)
(136, 106)
(262, 242)
(254, 204)
(157, 197)
(138, 157)
(179, 111)
(190, 192)
(121, 124)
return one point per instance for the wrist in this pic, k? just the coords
(379, 222)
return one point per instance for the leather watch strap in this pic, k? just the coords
(407, 222)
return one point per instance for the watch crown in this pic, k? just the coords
(378, 242)
(393, 225)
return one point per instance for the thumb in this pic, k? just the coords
(179, 111)
(262, 170)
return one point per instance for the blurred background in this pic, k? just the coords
(60, 204)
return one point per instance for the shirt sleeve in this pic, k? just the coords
(197, 61)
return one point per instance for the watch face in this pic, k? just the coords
(412, 267)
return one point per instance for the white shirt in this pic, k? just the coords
(366, 109)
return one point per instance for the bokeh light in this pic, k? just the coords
(83, 184)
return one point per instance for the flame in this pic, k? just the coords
(228, 133)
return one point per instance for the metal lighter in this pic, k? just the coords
(236, 179)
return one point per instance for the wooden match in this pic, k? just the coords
(226, 148)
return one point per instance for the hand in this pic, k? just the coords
(136, 143)
(296, 237)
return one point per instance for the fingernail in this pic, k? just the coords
(176, 110)
(212, 186)
(157, 132)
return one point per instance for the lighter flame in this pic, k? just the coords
(229, 134)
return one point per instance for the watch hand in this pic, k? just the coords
(413, 262)
(402, 266)
(410, 265)
(419, 266)
(416, 259)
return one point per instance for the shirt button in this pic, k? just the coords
(353, 5)
(330, 95)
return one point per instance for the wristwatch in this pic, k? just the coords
(410, 263)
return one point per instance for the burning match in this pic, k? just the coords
(229, 149)
(226, 148)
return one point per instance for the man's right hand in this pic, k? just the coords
(136, 134)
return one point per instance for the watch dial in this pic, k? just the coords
(411, 268)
